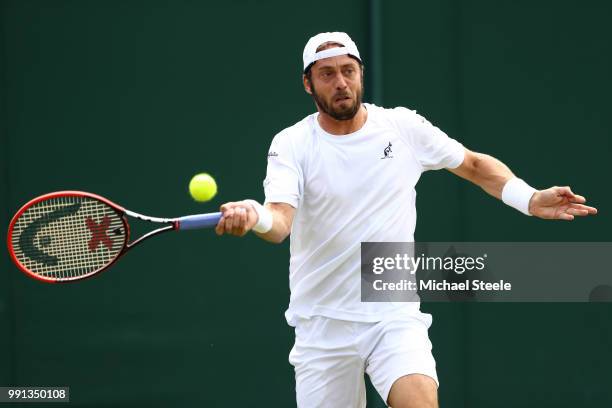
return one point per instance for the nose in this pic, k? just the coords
(340, 81)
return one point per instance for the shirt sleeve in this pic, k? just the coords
(284, 175)
(432, 147)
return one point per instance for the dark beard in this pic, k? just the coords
(338, 114)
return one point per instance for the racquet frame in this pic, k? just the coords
(172, 224)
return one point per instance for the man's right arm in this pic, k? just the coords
(240, 217)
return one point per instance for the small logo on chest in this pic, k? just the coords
(387, 152)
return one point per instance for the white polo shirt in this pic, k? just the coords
(347, 190)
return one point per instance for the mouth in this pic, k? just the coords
(343, 98)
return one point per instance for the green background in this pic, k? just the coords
(129, 99)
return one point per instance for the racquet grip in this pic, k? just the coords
(198, 221)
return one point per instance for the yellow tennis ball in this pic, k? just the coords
(202, 187)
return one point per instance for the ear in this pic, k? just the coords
(307, 86)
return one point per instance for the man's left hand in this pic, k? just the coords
(559, 203)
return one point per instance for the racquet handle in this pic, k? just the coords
(198, 221)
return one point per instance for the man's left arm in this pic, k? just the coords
(497, 179)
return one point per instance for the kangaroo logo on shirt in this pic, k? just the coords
(387, 152)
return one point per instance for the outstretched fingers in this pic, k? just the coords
(575, 205)
(582, 210)
(565, 216)
(575, 210)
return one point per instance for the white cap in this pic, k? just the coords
(310, 50)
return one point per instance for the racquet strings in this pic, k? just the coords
(68, 237)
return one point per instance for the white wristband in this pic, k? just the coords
(264, 224)
(516, 193)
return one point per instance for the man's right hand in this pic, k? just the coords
(237, 218)
(240, 217)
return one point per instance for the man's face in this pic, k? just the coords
(336, 86)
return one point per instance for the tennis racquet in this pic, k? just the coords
(71, 235)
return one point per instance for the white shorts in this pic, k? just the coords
(331, 356)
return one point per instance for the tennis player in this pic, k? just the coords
(345, 175)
